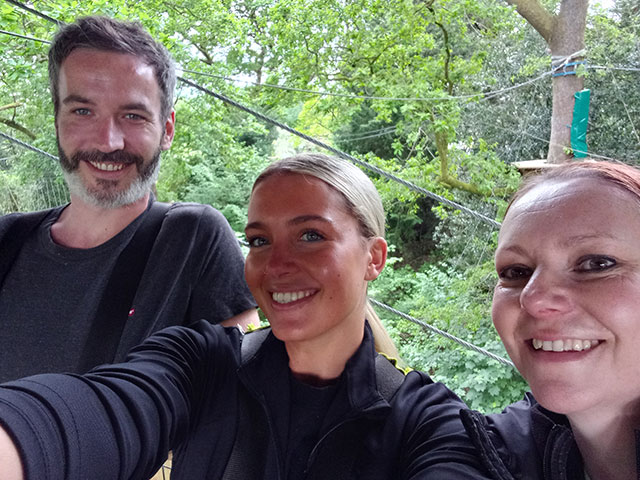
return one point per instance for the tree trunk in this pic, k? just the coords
(567, 39)
(564, 34)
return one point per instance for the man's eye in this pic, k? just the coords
(514, 273)
(311, 236)
(595, 263)
(82, 111)
(134, 116)
(256, 241)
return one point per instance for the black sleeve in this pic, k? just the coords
(119, 421)
(222, 291)
(436, 445)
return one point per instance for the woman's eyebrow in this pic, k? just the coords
(568, 242)
(294, 221)
(309, 218)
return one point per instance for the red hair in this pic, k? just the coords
(619, 174)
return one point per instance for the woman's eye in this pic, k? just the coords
(311, 236)
(514, 273)
(256, 241)
(595, 263)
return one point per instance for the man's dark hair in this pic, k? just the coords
(103, 33)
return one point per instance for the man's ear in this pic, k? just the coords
(377, 257)
(169, 131)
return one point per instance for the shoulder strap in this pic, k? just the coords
(22, 225)
(248, 456)
(388, 377)
(251, 343)
(117, 298)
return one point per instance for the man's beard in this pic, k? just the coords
(107, 193)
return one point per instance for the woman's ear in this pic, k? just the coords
(377, 257)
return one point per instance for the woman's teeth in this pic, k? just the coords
(569, 345)
(288, 297)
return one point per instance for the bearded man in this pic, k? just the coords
(82, 283)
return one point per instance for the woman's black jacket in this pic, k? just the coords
(525, 441)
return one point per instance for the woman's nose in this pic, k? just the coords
(545, 294)
(280, 260)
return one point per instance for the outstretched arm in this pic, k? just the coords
(117, 421)
(10, 463)
(243, 319)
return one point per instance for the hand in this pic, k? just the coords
(10, 463)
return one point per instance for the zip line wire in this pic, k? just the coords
(436, 330)
(17, 35)
(368, 97)
(479, 95)
(35, 12)
(344, 155)
(387, 130)
(27, 146)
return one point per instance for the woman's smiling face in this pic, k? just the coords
(308, 264)
(567, 302)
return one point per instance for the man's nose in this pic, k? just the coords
(109, 136)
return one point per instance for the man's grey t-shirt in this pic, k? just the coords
(49, 298)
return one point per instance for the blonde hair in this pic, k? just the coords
(362, 201)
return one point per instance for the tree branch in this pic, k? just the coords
(537, 15)
(207, 60)
(18, 127)
(10, 105)
(442, 145)
(447, 58)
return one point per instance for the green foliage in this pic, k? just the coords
(458, 303)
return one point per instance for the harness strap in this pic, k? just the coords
(251, 343)
(388, 377)
(249, 454)
(478, 430)
(117, 298)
